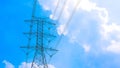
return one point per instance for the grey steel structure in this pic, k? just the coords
(40, 35)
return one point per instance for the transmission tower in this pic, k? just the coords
(40, 35)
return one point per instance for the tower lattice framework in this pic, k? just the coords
(40, 35)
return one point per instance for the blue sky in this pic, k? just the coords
(92, 39)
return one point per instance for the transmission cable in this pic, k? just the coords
(54, 12)
(62, 9)
(67, 23)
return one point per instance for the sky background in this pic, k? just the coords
(92, 39)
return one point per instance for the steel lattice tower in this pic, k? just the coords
(41, 33)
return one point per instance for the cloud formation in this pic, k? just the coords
(8, 64)
(114, 47)
(28, 65)
(86, 48)
(90, 22)
(23, 65)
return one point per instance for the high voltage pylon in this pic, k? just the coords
(40, 36)
(41, 33)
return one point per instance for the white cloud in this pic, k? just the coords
(68, 8)
(114, 47)
(28, 65)
(79, 29)
(61, 30)
(73, 36)
(8, 64)
(110, 33)
(102, 14)
(87, 5)
(108, 30)
(51, 66)
(24, 65)
(86, 48)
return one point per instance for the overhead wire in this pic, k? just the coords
(54, 12)
(62, 9)
(59, 17)
(67, 23)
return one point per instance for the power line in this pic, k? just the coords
(54, 12)
(62, 9)
(67, 23)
